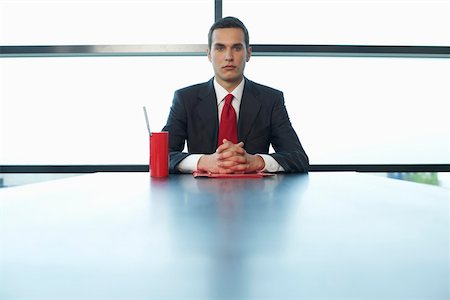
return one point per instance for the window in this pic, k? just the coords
(104, 22)
(88, 110)
(344, 22)
(59, 109)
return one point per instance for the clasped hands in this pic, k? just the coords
(230, 158)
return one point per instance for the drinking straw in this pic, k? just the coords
(146, 121)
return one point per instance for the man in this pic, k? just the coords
(201, 116)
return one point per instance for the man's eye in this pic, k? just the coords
(238, 48)
(219, 48)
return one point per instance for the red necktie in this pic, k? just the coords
(228, 124)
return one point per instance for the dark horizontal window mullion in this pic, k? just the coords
(72, 168)
(353, 49)
(200, 50)
(144, 168)
(382, 168)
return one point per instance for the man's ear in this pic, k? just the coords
(249, 53)
(208, 52)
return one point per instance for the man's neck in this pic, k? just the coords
(229, 86)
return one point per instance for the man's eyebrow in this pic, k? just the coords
(223, 45)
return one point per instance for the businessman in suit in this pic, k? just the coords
(258, 113)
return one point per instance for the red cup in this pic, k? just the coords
(159, 154)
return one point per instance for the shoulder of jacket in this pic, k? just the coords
(261, 88)
(193, 88)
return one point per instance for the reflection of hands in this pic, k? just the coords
(230, 158)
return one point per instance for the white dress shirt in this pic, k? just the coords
(189, 164)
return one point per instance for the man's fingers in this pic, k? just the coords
(239, 168)
(231, 151)
(226, 145)
(228, 155)
(230, 163)
(229, 145)
(232, 156)
(225, 171)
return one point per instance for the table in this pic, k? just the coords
(317, 236)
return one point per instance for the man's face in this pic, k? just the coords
(228, 55)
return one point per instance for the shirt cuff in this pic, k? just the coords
(271, 165)
(189, 164)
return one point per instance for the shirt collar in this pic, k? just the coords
(221, 92)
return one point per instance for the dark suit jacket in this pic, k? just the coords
(263, 120)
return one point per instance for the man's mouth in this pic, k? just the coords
(229, 67)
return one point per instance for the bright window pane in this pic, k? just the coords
(80, 22)
(364, 110)
(345, 22)
(88, 110)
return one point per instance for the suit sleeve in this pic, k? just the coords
(177, 127)
(289, 152)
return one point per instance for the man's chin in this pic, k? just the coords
(232, 79)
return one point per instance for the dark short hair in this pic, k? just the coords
(228, 22)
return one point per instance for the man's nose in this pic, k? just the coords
(228, 55)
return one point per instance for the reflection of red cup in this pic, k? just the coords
(159, 154)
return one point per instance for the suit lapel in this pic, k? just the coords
(207, 114)
(249, 110)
